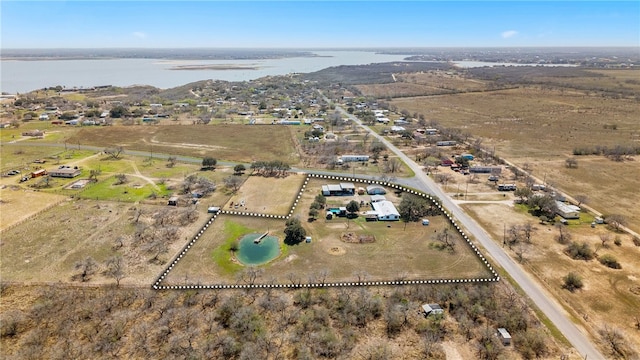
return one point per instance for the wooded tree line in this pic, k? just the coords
(70, 322)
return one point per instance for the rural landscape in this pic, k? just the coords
(286, 217)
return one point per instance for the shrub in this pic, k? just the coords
(572, 282)
(636, 241)
(580, 251)
(617, 241)
(609, 261)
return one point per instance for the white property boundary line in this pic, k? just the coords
(157, 285)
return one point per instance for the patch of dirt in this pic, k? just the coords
(336, 250)
(450, 350)
(353, 238)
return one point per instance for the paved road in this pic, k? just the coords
(543, 300)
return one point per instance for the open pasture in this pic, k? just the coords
(421, 84)
(17, 204)
(542, 128)
(267, 195)
(397, 253)
(242, 143)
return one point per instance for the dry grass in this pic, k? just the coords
(18, 204)
(241, 143)
(268, 195)
(609, 296)
(46, 248)
(420, 84)
(542, 128)
(397, 253)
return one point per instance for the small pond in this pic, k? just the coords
(250, 253)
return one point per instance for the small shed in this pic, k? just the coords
(432, 309)
(376, 190)
(425, 222)
(307, 239)
(173, 201)
(504, 336)
(38, 173)
(213, 209)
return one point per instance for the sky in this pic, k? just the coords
(317, 24)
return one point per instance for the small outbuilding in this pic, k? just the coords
(213, 209)
(173, 201)
(425, 222)
(504, 336)
(432, 309)
(376, 190)
(38, 173)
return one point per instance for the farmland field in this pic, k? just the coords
(396, 253)
(542, 128)
(268, 195)
(242, 143)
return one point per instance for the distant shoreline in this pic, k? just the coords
(215, 67)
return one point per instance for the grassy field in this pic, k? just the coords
(610, 297)
(267, 195)
(396, 253)
(541, 128)
(132, 191)
(420, 84)
(224, 142)
(17, 204)
(52, 133)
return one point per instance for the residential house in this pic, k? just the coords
(567, 211)
(65, 172)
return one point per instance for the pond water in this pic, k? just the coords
(250, 253)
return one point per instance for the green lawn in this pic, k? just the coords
(106, 190)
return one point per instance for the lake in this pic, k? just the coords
(19, 76)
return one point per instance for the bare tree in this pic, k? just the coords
(616, 221)
(233, 182)
(581, 199)
(87, 267)
(114, 152)
(115, 268)
(120, 179)
(171, 161)
(446, 239)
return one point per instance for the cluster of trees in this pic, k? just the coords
(413, 208)
(66, 322)
(543, 206)
(616, 153)
(294, 233)
(209, 163)
(154, 232)
(197, 183)
(270, 168)
(318, 204)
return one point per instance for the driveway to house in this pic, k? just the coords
(543, 299)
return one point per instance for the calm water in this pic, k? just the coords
(250, 253)
(24, 76)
